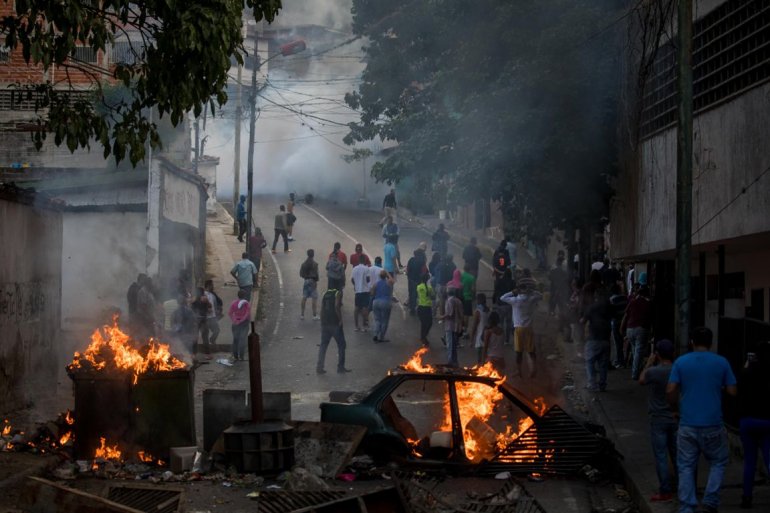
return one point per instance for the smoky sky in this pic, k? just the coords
(301, 118)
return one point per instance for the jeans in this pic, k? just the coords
(451, 348)
(327, 333)
(425, 314)
(711, 441)
(412, 287)
(639, 348)
(617, 338)
(280, 233)
(209, 328)
(240, 336)
(241, 228)
(597, 353)
(663, 436)
(381, 316)
(755, 434)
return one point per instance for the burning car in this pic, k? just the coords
(456, 418)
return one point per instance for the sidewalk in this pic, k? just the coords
(622, 409)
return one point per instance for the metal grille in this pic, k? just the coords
(148, 499)
(281, 501)
(556, 444)
(125, 52)
(29, 100)
(85, 54)
(731, 53)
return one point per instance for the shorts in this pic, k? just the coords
(310, 289)
(362, 300)
(524, 340)
(467, 307)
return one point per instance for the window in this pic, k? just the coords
(5, 54)
(85, 54)
(125, 52)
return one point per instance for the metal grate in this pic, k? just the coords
(126, 52)
(30, 100)
(731, 53)
(282, 501)
(147, 498)
(555, 444)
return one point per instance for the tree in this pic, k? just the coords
(514, 101)
(180, 54)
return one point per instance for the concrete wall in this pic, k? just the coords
(730, 152)
(30, 291)
(102, 254)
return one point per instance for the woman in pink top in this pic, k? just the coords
(239, 313)
(456, 282)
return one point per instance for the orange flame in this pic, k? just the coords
(112, 347)
(6, 428)
(107, 452)
(146, 457)
(415, 362)
(66, 437)
(68, 418)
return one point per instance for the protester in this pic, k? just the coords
(425, 297)
(472, 257)
(504, 310)
(331, 327)
(389, 206)
(663, 423)
(446, 271)
(500, 262)
(494, 350)
(201, 307)
(291, 218)
(415, 268)
(391, 232)
(374, 273)
(279, 227)
(598, 315)
(695, 389)
(359, 255)
(214, 313)
(468, 285)
(361, 280)
(382, 293)
(257, 242)
(638, 320)
(440, 240)
(245, 273)
(240, 313)
(453, 324)
(240, 215)
(390, 258)
(478, 325)
(754, 408)
(523, 302)
(308, 271)
(335, 271)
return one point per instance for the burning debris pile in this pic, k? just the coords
(47, 438)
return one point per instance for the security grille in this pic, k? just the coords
(125, 52)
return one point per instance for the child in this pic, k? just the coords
(494, 341)
(479, 322)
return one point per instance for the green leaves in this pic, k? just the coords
(182, 47)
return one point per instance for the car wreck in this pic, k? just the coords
(465, 419)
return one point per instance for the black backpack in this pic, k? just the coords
(329, 308)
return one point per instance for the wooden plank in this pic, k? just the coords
(325, 445)
(43, 496)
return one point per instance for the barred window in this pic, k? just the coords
(5, 54)
(85, 54)
(731, 54)
(126, 52)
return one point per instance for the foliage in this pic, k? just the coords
(181, 52)
(514, 101)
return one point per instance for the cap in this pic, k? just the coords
(642, 278)
(665, 348)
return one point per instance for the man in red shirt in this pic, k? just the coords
(637, 322)
(360, 255)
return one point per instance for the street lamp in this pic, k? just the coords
(290, 48)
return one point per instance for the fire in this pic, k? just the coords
(66, 437)
(111, 347)
(68, 418)
(6, 428)
(106, 452)
(145, 457)
(415, 362)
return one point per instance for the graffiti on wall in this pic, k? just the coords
(21, 302)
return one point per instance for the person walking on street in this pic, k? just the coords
(638, 320)
(359, 256)
(290, 217)
(472, 257)
(308, 271)
(389, 206)
(663, 423)
(201, 308)
(500, 263)
(391, 232)
(240, 216)
(446, 272)
(279, 227)
(390, 258)
(425, 297)
(754, 408)
(214, 313)
(382, 303)
(695, 390)
(415, 268)
(245, 274)
(440, 240)
(257, 243)
(240, 313)
(341, 256)
(335, 271)
(453, 324)
(523, 304)
(360, 278)
(331, 327)
(598, 315)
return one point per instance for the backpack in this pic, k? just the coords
(335, 269)
(329, 308)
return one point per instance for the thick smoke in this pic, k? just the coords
(302, 114)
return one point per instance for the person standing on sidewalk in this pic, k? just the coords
(382, 303)
(598, 315)
(360, 278)
(425, 297)
(523, 303)
(257, 243)
(331, 327)
(695, 389)
(279, 227)
(663, 423)
(239, 313)
(245, 274)
(240, 216)
(308, 271)
(335, 271)
(637, 321)
(754, 406)
(214, 313)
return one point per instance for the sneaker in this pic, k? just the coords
(343, 370)
(662, 497)
(316, 318)
(290, 239)
(287, 251)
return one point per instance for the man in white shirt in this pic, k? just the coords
(362, 284)
(523, 303)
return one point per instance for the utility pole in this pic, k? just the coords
(237, 150)
(252, 128)
(197, 145)
(684, 174)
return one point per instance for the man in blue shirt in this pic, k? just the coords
(695, 387)
(390, 257)
(240, 215)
